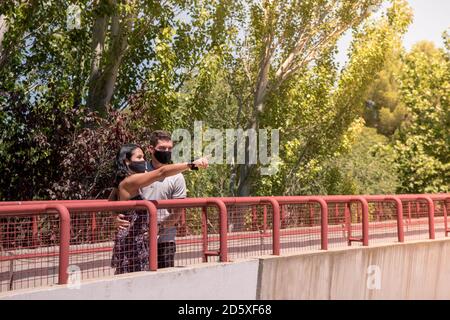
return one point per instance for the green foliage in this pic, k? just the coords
(187, 60)
(369, 168)
(384, 110)
(317, 117)
(47, 136)
(423, 142)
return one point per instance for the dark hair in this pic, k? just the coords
(122, 170)
(159, 135)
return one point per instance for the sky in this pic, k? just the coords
(431, 19)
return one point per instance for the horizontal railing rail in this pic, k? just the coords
(295, 222)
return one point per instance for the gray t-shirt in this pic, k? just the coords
(173, 187)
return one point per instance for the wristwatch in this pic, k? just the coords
(192, 166)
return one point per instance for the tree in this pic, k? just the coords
(369, 167)
(384, 109)
(423, 141)
(321, 104)
(163, 64)
(133, 55)
(285, 39)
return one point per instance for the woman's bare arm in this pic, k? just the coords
(130, 186)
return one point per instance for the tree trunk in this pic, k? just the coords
(246, 170)
(118, 48)
(105, 64)
(98, 46)
(3, 29)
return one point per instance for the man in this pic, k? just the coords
(173, 187)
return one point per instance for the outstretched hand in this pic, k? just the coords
(201, 163)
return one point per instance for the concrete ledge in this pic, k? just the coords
(207, 281)
(413, 270)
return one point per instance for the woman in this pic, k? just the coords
(130, 253)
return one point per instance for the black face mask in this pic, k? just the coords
(138, 166)
(163, 157)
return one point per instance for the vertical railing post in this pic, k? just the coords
(358, 216)
(323, 223)
(276, 227)
(152, 232)
(223, 223)
(64, 241)
(223, 233)
(204, 233)
(430, 217)
(365, 221)
(445, 217)
(400, 228)
(348, 222)
(276, 248)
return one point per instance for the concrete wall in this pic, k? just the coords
(417, 270)
(414, 270)
(224, 281)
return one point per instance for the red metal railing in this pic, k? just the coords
(252, 202)
(295, 222)
(75, 207)
(66, 249)
(64, 234)
(418, 211)
(203, 203)
(363, 219)
(445, 203)
(295, 200)
(382, 220)
(90, 253)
